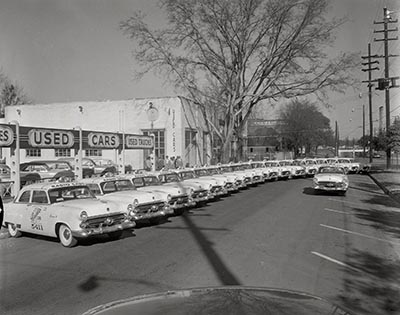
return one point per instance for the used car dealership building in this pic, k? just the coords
(177, 125)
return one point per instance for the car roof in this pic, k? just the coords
(50, 185)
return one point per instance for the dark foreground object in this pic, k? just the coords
(220, 301)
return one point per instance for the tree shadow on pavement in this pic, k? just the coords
(371, 286)
(381, 217)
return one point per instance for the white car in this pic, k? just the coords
(216, 185)
(331, 178)
(145, 205)
(178, 198)
(296, 170)
(283, 171)
(270, 174)
(67, 211)
(197, 191)
(231, 181)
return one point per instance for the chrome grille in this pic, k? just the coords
(150, 207)
(98, 221)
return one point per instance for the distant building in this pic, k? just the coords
(263, 139)
(177, 124)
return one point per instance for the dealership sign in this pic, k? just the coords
(138, 142)
(45, 138)
(6, 135)
(101, 140)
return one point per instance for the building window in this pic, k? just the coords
(62, 152)
(159, 138)
(33, 153)
(93, 152)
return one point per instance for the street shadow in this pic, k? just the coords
(387, 221)
(221, 270)
(101, 239)
(309, 191)
(93, 282)
(371, 286)
(312, 191)
(371, 191)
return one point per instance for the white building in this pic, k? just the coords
(178, 126)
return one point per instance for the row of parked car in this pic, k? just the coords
(109, 204)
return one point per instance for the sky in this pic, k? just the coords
(73, 50)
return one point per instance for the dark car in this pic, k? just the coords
(90, 167)
(47, 170)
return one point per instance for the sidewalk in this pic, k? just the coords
(388, 181)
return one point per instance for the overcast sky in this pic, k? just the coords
(73, 50)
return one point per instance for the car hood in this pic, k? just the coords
(172, 190)
(330, 177)
(130, 195)
(93, 207)
(222, 301)
(184, 184)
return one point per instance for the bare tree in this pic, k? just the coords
(229, 55)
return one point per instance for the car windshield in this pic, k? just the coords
(187, 175)
(331, 170)
(170, 178)
(151, 180)
(61, 194)
(124, 184)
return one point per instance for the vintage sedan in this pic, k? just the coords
(270, 174)
(67, 211)
(198, 192)
(331, 178)
(89, 166)
(48, 170)
(216, 185)
(213, 172)
(146, 205)
(178, 198)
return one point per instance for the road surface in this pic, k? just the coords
(279, 234)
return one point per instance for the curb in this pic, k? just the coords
(395, 197)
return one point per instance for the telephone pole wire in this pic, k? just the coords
(387, 82)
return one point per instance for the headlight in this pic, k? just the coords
(210, 186)
(169, 197)
(83, 216)
(130, 207)
(135, 202)
(132, 213)
(315, 181)
(191, 191)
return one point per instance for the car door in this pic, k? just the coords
(20, 215)
(40, 214)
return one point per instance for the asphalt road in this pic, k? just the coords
(278, 235)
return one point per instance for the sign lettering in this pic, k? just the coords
(138, 142)
(41, 138)
(6, 136)
(103, 140)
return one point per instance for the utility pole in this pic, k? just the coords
(369, 63)
(336, 139)
(387, 82)
(363, 128)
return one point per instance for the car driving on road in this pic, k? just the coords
(331, 178)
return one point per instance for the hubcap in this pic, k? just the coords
(66, 234)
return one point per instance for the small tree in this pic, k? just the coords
(10, 94)
(393, 137)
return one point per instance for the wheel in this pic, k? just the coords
(13, 231)
(65, 236)
(342, 193)
(155, 221)
(116, 235)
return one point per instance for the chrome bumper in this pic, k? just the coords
(83, 233)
